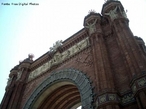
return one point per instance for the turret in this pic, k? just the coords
(92, 23)
(113, 9)
(16, 83)
(102, 68)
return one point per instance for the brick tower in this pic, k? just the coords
(102, 66)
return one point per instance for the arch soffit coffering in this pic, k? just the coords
(73, 76)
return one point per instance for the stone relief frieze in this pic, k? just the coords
(112, 97)
(102, 98)
(138, 84)
(124, 100)
(60, 57)
(128, 98)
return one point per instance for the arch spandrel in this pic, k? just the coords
(58, 79)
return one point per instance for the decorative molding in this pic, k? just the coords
(127, 99)
(81, 81)
(102, 99)
(106, 98)
(138, 84)
(134, 88)
(141, 82)
(59, 58)
(113, 97)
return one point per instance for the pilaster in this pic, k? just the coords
(102, 68)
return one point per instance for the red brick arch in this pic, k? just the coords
(65, 88)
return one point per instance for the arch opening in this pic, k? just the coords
(66, 89)
(62, 95)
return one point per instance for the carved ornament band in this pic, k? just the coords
(59, 57)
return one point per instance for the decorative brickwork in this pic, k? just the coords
(102, 66)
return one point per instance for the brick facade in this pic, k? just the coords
(102, 66)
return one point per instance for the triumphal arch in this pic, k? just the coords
(102, 66)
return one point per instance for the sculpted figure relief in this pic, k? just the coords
(31, 75)
(43, 67)
(51, 49)
(19, 74)
(56, 45)
(113, 14)
(84, 43)
(66, 54)
(9, 81)
(34, 73)
(123, 13)
(91, 27)
(59, 57)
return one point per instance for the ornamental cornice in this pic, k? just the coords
(111, 97)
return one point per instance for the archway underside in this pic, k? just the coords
(64, 97)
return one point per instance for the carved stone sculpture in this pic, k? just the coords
(9, 81)
(112, 13)
(19, 75)
(91, 27)
(123, 13)
(59, 57)
(56, 45)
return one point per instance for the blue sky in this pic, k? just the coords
(34, 29)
